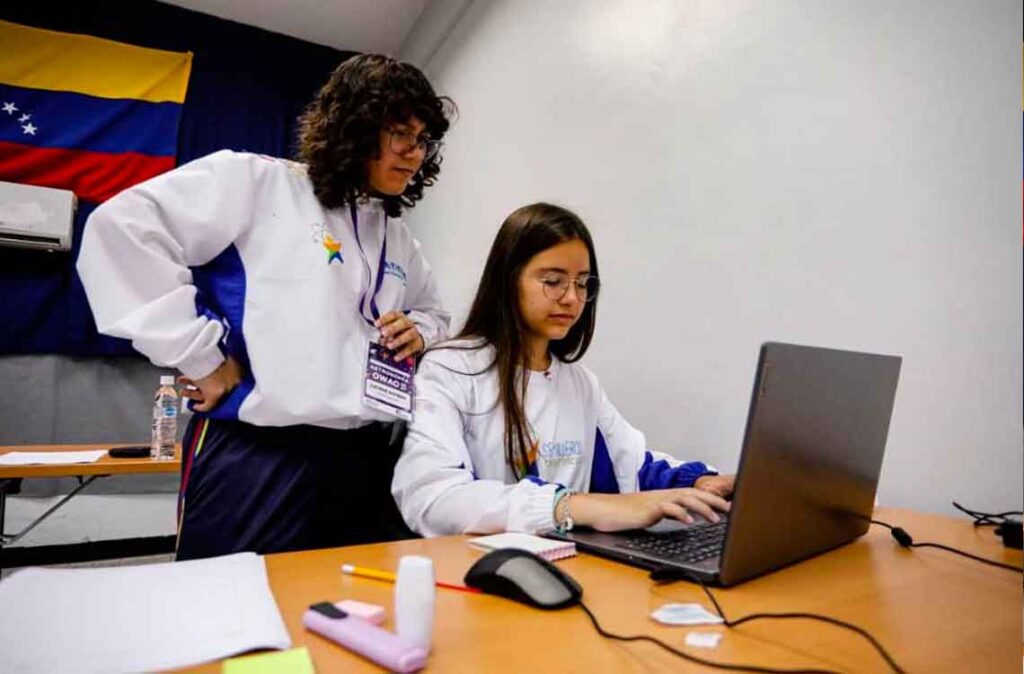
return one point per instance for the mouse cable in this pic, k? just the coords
(809, 616)
(670, 574)
(905, 541)
(694, 658)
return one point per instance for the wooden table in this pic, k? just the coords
(85, 472)
(933, 610)
(103, 467)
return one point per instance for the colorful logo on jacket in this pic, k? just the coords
(531, 460)
(333, 249)
(330, 244)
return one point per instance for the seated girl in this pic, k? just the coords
(510, 433)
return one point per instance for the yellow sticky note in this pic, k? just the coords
(295, 661)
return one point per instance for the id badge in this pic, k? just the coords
(387, 383)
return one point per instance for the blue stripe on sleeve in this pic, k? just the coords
(220, 295)
(661, 475)
(602, 471)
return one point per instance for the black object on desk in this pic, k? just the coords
(137, 452)
(524, 577)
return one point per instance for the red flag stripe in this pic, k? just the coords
(93, 176)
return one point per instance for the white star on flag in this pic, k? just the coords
(25, 117)
(10, 108)
(29, 129)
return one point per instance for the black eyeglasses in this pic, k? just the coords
(402, 142)
(556, 285)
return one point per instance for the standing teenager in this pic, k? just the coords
(264, 281)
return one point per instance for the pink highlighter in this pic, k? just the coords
(372, 642)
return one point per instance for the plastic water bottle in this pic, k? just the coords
(165, 420)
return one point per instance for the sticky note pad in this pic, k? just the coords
(294, 661)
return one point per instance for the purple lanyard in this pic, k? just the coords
(374, 311)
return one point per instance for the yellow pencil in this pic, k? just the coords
(388, 576)
(353, 570)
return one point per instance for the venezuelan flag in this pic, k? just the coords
(86, 114)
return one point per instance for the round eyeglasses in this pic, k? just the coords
(557, 285)
(402, 142)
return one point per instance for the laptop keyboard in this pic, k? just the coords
(686, 545)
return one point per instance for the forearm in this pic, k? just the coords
(438, 505)
(597, 511)
(614, 512)
(432, 325)
(423, 302)
(137, 252)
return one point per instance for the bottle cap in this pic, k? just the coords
(167, 380)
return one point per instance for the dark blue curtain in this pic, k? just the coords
(246, 89)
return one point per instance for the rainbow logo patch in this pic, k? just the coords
(531, 460)
(333, 249)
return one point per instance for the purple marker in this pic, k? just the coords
(372, 642)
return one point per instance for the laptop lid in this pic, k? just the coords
(809, 466)
(812, 455)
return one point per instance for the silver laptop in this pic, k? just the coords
(807, 477)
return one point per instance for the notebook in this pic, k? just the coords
(544, 547)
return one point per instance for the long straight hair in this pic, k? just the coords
(495, 315)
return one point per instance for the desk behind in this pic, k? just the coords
(86, 474)
(932, 610)
(106, 465)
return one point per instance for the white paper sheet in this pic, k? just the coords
(137, 618)
(50, 458)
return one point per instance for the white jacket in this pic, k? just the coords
(453, 478)
(233, 253)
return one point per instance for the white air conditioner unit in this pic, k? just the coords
(36, 217)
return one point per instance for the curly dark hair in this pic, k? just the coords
(340, 130)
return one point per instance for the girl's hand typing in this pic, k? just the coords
(614, 512)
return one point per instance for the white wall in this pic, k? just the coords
(844, 174)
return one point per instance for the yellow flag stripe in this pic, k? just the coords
(45, 59)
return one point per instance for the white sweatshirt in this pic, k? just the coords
(453, 478)
(233, 254)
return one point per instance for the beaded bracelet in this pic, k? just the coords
(563, 523)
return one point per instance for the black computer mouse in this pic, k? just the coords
(524, 577)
